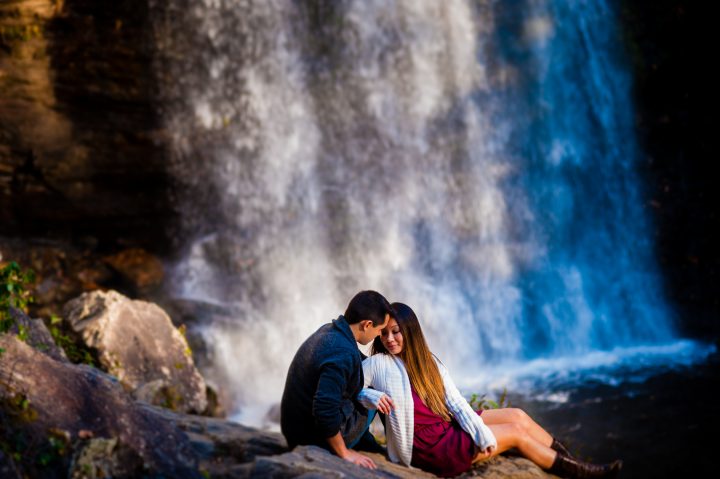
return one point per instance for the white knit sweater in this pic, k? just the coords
(386, 374)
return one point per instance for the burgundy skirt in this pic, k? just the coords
(440, 447)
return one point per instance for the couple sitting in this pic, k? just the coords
(332, 394)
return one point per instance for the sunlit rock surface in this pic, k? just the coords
(65, 399)
(316, 462)
(137, 342)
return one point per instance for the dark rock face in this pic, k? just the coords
(7, 467)
(224, 447)
(676, 127)
(81, 152)
(143, 271)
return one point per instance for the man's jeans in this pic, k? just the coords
(353, 442)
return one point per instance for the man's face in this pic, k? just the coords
(369, 332)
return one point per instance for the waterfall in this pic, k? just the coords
(473, 159)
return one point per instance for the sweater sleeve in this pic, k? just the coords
(368, 397)
(327, 402)
(468, 419)
(368, 366)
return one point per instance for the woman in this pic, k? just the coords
(430, 425)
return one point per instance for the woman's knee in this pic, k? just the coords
(519, 416)
(518, 434)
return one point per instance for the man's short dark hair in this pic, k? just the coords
(368, 305)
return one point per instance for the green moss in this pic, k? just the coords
(18, 408)
(182, 329)
(75, 352)
(14, 294)
(168, 397)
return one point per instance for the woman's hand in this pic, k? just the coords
(485, 453)
(385, 404)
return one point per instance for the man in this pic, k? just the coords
(319, 405)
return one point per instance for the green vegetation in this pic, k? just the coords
(480, 402)
(168, 397)
(56, 447)
(14, 294)
(74, 352)
(46, 453)
(182, 329)
(18, 407)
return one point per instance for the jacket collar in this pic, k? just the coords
(342, 325)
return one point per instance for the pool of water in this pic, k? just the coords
(660, 413)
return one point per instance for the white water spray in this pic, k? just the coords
(423, 149)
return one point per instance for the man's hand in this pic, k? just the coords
(359, 459)
(386, 404)
(338, 445)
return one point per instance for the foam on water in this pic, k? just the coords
(549, 378)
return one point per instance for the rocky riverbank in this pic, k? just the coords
(140, 408)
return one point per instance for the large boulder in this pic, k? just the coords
(54, 407)
(225, 449)
(507, 467)
(137, 342)
(312, 461)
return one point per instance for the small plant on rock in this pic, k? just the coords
(480, 402)
(74, 352)
(14, 294)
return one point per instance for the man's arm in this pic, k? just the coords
(338, 445)
(327, 403)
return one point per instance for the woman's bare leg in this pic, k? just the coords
(513, 435)
(519, 417)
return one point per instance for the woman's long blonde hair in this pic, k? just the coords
(421, 367)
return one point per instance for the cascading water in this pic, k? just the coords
(474, 159)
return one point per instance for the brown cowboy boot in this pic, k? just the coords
(566, 466)
(560, 447)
